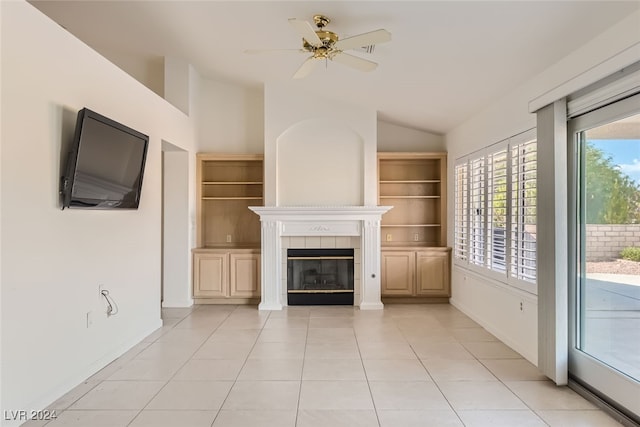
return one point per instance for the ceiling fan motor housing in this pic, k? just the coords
(328, 39)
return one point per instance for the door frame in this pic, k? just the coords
(610, 385)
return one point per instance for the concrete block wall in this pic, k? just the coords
(605, 241)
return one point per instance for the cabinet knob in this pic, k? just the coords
(373, 276)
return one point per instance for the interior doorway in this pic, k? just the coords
(176, 271)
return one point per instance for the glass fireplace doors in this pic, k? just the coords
(320, 276)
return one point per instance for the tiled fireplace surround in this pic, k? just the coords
(356, 227)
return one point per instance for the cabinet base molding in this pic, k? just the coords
(231, 301)
(415, 300)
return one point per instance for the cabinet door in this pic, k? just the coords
(210, 275)
(432, 269)
(397, 271)
(245, 275)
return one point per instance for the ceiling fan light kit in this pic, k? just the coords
(326, 45)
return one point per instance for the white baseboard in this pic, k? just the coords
(50, 396)
(533, 358)
(177, 303)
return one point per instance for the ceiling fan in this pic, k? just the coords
(325, 45)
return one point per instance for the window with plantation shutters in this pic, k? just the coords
(461, 215)
(523, 210)
(495, 211)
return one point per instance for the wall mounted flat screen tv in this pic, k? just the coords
(105, 164)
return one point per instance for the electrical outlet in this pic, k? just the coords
(389, 238)
(416, 237)
(228, 238)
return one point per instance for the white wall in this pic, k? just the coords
(230, 118)
(496, 306)
(177, 83)
(392, 137)
(53, 260)
(149, 71)
(287, 107)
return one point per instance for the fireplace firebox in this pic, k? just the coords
(320, 276)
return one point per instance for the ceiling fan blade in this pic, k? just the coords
(306, 68)
(365, 39)
(305, 30)
(258, 51)
(355, 62)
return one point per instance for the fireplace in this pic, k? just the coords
(310, 227)
(320, 276)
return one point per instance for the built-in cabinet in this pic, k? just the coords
(415, 262)
(226, 264)
(231, 275)
(410, 272)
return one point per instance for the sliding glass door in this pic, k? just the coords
(604, 303)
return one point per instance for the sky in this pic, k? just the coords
(624, 152)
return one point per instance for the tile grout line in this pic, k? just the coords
(366, 377)
(433, 379)
(242, 367)
(181, 366)
(511, 390)
(533, 411)
(304, 358)
(68, 408)
(98, 382)
(401, 321)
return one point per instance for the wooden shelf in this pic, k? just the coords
(232, 198)
(231, 246)
(409, 197)
(232, 183)
(411, 225)
(410, 245)
(411, 181)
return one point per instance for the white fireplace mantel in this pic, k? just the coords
(319, 212)
(363, 221)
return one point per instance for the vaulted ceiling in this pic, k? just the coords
(446, 61)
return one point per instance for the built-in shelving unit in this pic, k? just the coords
(226, 264)
(415, 263)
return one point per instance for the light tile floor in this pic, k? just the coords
(330, 366)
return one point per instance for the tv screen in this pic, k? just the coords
(105, 165)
